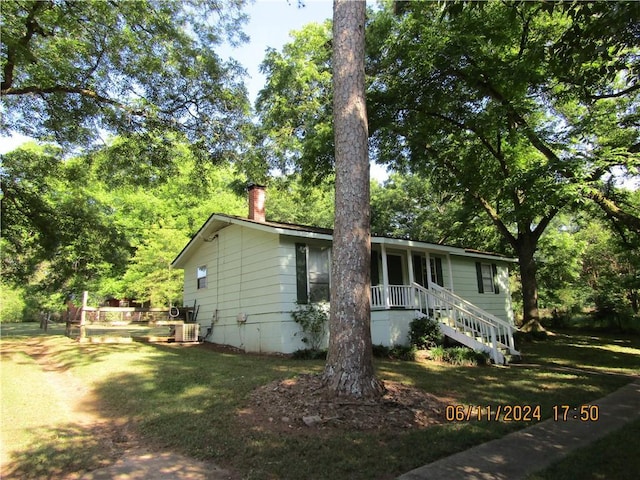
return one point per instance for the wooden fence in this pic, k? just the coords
(128, 315)
(80, 319)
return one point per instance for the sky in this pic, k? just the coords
(269, 26)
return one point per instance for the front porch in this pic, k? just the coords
(394, 270)
(459, 319)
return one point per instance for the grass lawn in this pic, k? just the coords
(185, 398)
(612, 457)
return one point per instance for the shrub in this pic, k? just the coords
(309, 354)
(403, 352)
(424, 333)
(380, 351)
(466, 356)
(459, 356)
(313, 319)
(438, 354)
(397, 352)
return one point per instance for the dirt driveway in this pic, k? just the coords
(122, 455)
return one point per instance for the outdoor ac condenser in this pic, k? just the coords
(187, 332)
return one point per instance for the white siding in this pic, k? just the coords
(252, 273)
(287, 256)
(390, 327)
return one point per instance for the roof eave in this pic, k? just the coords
(217, 222)
(214, 223)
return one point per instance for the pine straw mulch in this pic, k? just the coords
(302, 404)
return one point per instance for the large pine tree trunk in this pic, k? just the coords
(349, 368)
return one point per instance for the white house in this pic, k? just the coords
(247, 275)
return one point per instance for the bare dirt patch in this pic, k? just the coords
(302, 404)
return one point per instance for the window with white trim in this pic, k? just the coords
(201, 277)
(318, 269)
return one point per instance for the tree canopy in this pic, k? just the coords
(477, 98)
(295, 107)
(502, 103)
(75, 70)
(55, 230)
(508, 124)
(125, 91)
(69, 226)
(412, 206)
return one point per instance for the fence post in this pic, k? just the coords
(44, 321)
(83, 315)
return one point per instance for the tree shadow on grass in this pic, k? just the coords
(62, 451)
(191, 407)
(189, 398)
(58, 352)
(108, 408)
(186, 398)
(603, 353)
(542, 380)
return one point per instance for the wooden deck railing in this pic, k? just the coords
(84, 317)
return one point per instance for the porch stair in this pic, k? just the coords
(466, 323)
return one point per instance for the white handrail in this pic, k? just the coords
(377, 296)
(490, 328)
(392, 296)
(477, 310)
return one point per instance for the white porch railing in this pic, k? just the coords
(459, 319)
(392, 296)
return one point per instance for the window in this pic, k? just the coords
(487, 278)
(313, 267)
(375, 268)
(436, 270)
(487, 274)
(421, 274)
(201, 277)
(319, 268)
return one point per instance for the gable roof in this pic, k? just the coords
(218, 221)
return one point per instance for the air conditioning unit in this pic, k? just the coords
(187, 332)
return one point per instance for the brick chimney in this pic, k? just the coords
(257, 194)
